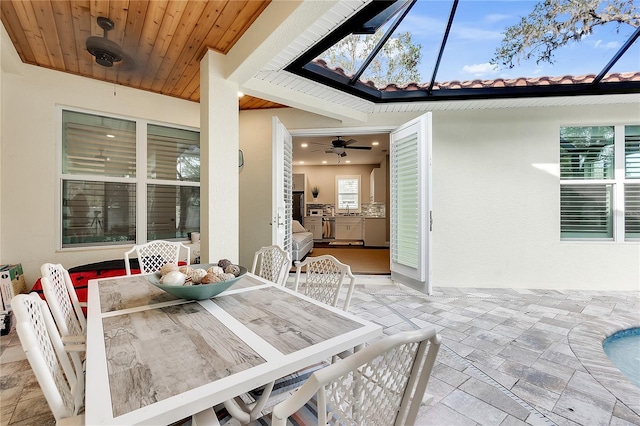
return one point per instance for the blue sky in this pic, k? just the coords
(477, 32)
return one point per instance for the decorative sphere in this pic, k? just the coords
(174, 278)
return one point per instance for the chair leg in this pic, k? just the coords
(246, 413)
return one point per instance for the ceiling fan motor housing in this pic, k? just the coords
(105, 58)
(105, 51)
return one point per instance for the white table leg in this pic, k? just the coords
(207, 417)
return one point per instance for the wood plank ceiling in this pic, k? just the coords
(166, 39)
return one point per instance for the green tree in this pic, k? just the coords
(397, 62)
(554, 23)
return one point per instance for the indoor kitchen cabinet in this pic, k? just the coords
(377, 186)
(375, 232)
(348, 228)
(314, 225)
(298, 181)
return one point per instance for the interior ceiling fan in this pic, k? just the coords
(106, 51)
(340, 146)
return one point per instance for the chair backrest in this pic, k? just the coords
(272, 263)
(382, 384)
(324, 277)
(59, 374)
(154, 254)
(62, 299)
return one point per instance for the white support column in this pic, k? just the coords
(219, 143)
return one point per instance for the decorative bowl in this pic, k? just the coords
(197, 291)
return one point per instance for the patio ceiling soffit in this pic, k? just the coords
(282, 32)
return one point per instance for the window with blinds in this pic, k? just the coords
(632, 183)
(101, 178)
(592, 189)
(348, 193)
(405, 241)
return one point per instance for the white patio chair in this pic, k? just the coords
(272, 263)
(58, 372)
(63, 302)
(383, 384)
(324, 277)
(154, 254)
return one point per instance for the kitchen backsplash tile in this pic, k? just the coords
(367, 209)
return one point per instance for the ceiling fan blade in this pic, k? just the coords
(329, 151)
(350, 141)
(344, 154)
(357, 147)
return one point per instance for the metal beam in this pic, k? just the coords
(454, 6)
(617, 56)
(382, 42)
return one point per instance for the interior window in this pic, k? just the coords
(348, 193)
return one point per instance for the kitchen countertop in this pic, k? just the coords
(362, 217)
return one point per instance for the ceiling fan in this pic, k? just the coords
(340, 146)
(106, 51)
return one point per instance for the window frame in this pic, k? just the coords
(618, 183)
(338, 178)
(141, 180)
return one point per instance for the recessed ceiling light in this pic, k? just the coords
(304, 145)
(301, 162)
(111, 136)
(324, 161)
(348, 161)
(374, 143)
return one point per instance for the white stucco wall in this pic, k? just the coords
(495, 196)
(496, 203)
(28, 175)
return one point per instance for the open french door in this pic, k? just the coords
(282, 184)
(411, 210)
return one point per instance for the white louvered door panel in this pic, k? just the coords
(410, 174)
(282, 178)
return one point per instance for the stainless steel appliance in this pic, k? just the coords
(298, 205)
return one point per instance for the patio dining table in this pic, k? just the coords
(155, 359)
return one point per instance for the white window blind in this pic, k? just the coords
(348, 193)
(631, 188)
(173, 208)
(586, 211)
(173, 154)
(598, 200)
(100, 146)
(405, 241)
(632, 211)
(100, 199)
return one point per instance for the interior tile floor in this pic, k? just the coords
(508, 356)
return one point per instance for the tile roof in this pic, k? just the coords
(496, 83)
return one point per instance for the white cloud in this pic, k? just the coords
(496, 17)
(610, 45)
(480, 70)
(469, 33)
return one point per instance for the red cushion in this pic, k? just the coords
(81, 281)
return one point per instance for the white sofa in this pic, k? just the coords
(301, 241)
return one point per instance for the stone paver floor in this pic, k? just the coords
(508, 356)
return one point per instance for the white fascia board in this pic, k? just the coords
(274, 30)
(293, 98)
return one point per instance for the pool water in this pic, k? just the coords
(623, 348)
